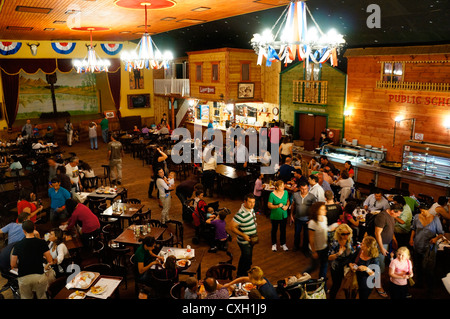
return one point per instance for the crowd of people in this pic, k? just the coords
(395, 232)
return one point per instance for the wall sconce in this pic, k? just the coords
(399, 119)
(347, 113)
(447, 123)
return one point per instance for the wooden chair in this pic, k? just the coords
(103, 269)
(177, 290)
(161, 287)
(90, 183)
(119, 262)
(94, 205)
(178, 232)
(55, 287)
(154, 223)
(142, 218)
(221, 271)
(138, 284)
(132, 201)
(160, 243)
(106, 177)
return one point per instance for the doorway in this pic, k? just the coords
(308, 128)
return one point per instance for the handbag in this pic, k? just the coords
(410, 279)
(350, 281)
(254, 239)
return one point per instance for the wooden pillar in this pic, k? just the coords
(172, 100)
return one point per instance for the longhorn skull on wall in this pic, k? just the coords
(33, 47)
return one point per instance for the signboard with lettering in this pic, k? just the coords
(207, 89)
(425, 100)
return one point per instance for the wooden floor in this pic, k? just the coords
(136, 176)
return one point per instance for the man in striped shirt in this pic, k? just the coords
(244, 226)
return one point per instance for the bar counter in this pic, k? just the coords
(386, 178)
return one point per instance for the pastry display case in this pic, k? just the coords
(427, 159)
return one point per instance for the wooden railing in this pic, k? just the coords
(414, 86)
(314, 92)
(171, 86)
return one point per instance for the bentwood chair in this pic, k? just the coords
(178, 230)
(55, 287)
(103, 269)
(177, 290)
(106, 177)
(221, 272)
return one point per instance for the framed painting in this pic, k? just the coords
(137, 101)
(136, 79)
(246, 90)
(110, 114)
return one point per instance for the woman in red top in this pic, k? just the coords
(27, 203)
(80, 213)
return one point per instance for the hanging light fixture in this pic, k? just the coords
(292, 39)
(146, 55)
(92, 62)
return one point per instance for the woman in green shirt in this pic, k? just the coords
(278, 204)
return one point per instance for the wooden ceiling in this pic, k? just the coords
(54, 19)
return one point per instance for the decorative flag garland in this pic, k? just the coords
(63, 47)
(295, 32)
(9, 48)
(111, 48)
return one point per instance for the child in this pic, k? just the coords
(191, 288)
(76, 137)
(291, 280)
(257, 192)
(400, 270)
(171, 179)
(218, 221)
(201, 211)
(35, 131)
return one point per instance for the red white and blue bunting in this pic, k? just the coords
(63, 47)
(9, 48)
(111, 48)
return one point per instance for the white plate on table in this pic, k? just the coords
(77, 295)
(98, 290)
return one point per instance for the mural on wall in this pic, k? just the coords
(63, 92)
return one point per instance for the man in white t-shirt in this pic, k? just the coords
(74, 173)
(315, 188)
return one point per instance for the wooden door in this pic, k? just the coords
(309, 128)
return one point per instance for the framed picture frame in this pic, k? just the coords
(110, 114)
(137, 101)
(136, 78)
(246, 90)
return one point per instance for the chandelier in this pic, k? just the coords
(292, 39)
(146, 55)
(92, 62)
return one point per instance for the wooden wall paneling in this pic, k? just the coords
(374, 109)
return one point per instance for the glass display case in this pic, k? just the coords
(345, 153)
(427, 159)
(351, 152)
